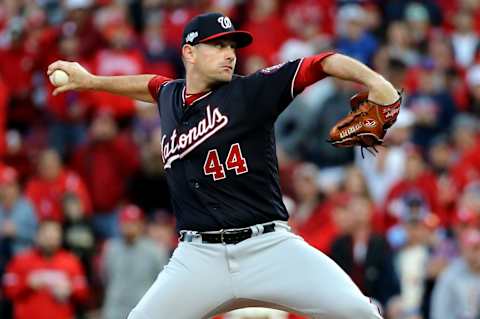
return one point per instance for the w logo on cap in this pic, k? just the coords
(225, 22)
(191, 36)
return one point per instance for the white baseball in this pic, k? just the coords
(59, 78)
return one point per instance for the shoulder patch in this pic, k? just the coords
(272, 68)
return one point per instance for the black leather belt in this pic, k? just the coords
(233, 236)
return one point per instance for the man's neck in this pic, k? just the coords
(131, 240)
(362, 234)
(195, 84)
(47, 254)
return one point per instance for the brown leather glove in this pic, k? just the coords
(366, 124)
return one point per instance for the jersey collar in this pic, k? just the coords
(190, 99)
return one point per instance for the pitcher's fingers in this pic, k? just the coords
(52, 67)
(62, 89)
(57, 65)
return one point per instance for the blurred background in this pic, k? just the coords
(85, 217)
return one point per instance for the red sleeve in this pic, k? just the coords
(14, 281)
(310, 71)
(155, 84)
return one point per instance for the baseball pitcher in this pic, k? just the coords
(235, 247)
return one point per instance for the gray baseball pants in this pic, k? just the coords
(274, 270)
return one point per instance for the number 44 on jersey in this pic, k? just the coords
(235, 160)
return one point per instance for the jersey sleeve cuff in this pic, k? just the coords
(155, 84)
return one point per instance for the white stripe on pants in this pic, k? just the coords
(276, 270)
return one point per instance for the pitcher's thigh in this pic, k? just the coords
(301, 278)
(190, 286)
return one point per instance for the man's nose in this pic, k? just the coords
(230, 54)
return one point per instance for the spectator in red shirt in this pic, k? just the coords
(160, 56)
(268, 29)
(47, 189)
(45, 282)
(16, 71)
(466, 142)
(468, 206)
(120, 58)
(175, 18)
(418, 182)
(310, 22)
(441, 157)
(312, 217)
(17, 63)
(106, 162)
(80, 18)
(320, 11)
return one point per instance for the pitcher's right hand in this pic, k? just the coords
(78, 77)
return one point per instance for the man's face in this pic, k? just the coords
(50, 165)
(363, 211)
(103, 128)
(131, 230)
(49, 237)
(215, 60)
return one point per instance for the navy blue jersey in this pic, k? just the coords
(219, 152)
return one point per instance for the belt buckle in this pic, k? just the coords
(223, 232)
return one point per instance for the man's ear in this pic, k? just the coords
(188, 53)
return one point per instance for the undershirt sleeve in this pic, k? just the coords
(310, 71)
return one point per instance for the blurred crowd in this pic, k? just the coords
(85, 217)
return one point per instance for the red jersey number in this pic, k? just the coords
(213, 166)
(235, 160)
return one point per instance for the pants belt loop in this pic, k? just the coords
(260, 228)
(255, 230)
(190, 236)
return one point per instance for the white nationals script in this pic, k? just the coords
(180, 145)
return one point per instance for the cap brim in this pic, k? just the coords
(241, 38)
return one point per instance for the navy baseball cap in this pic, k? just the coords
(210, 26)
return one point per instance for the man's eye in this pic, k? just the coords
(218, 45)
